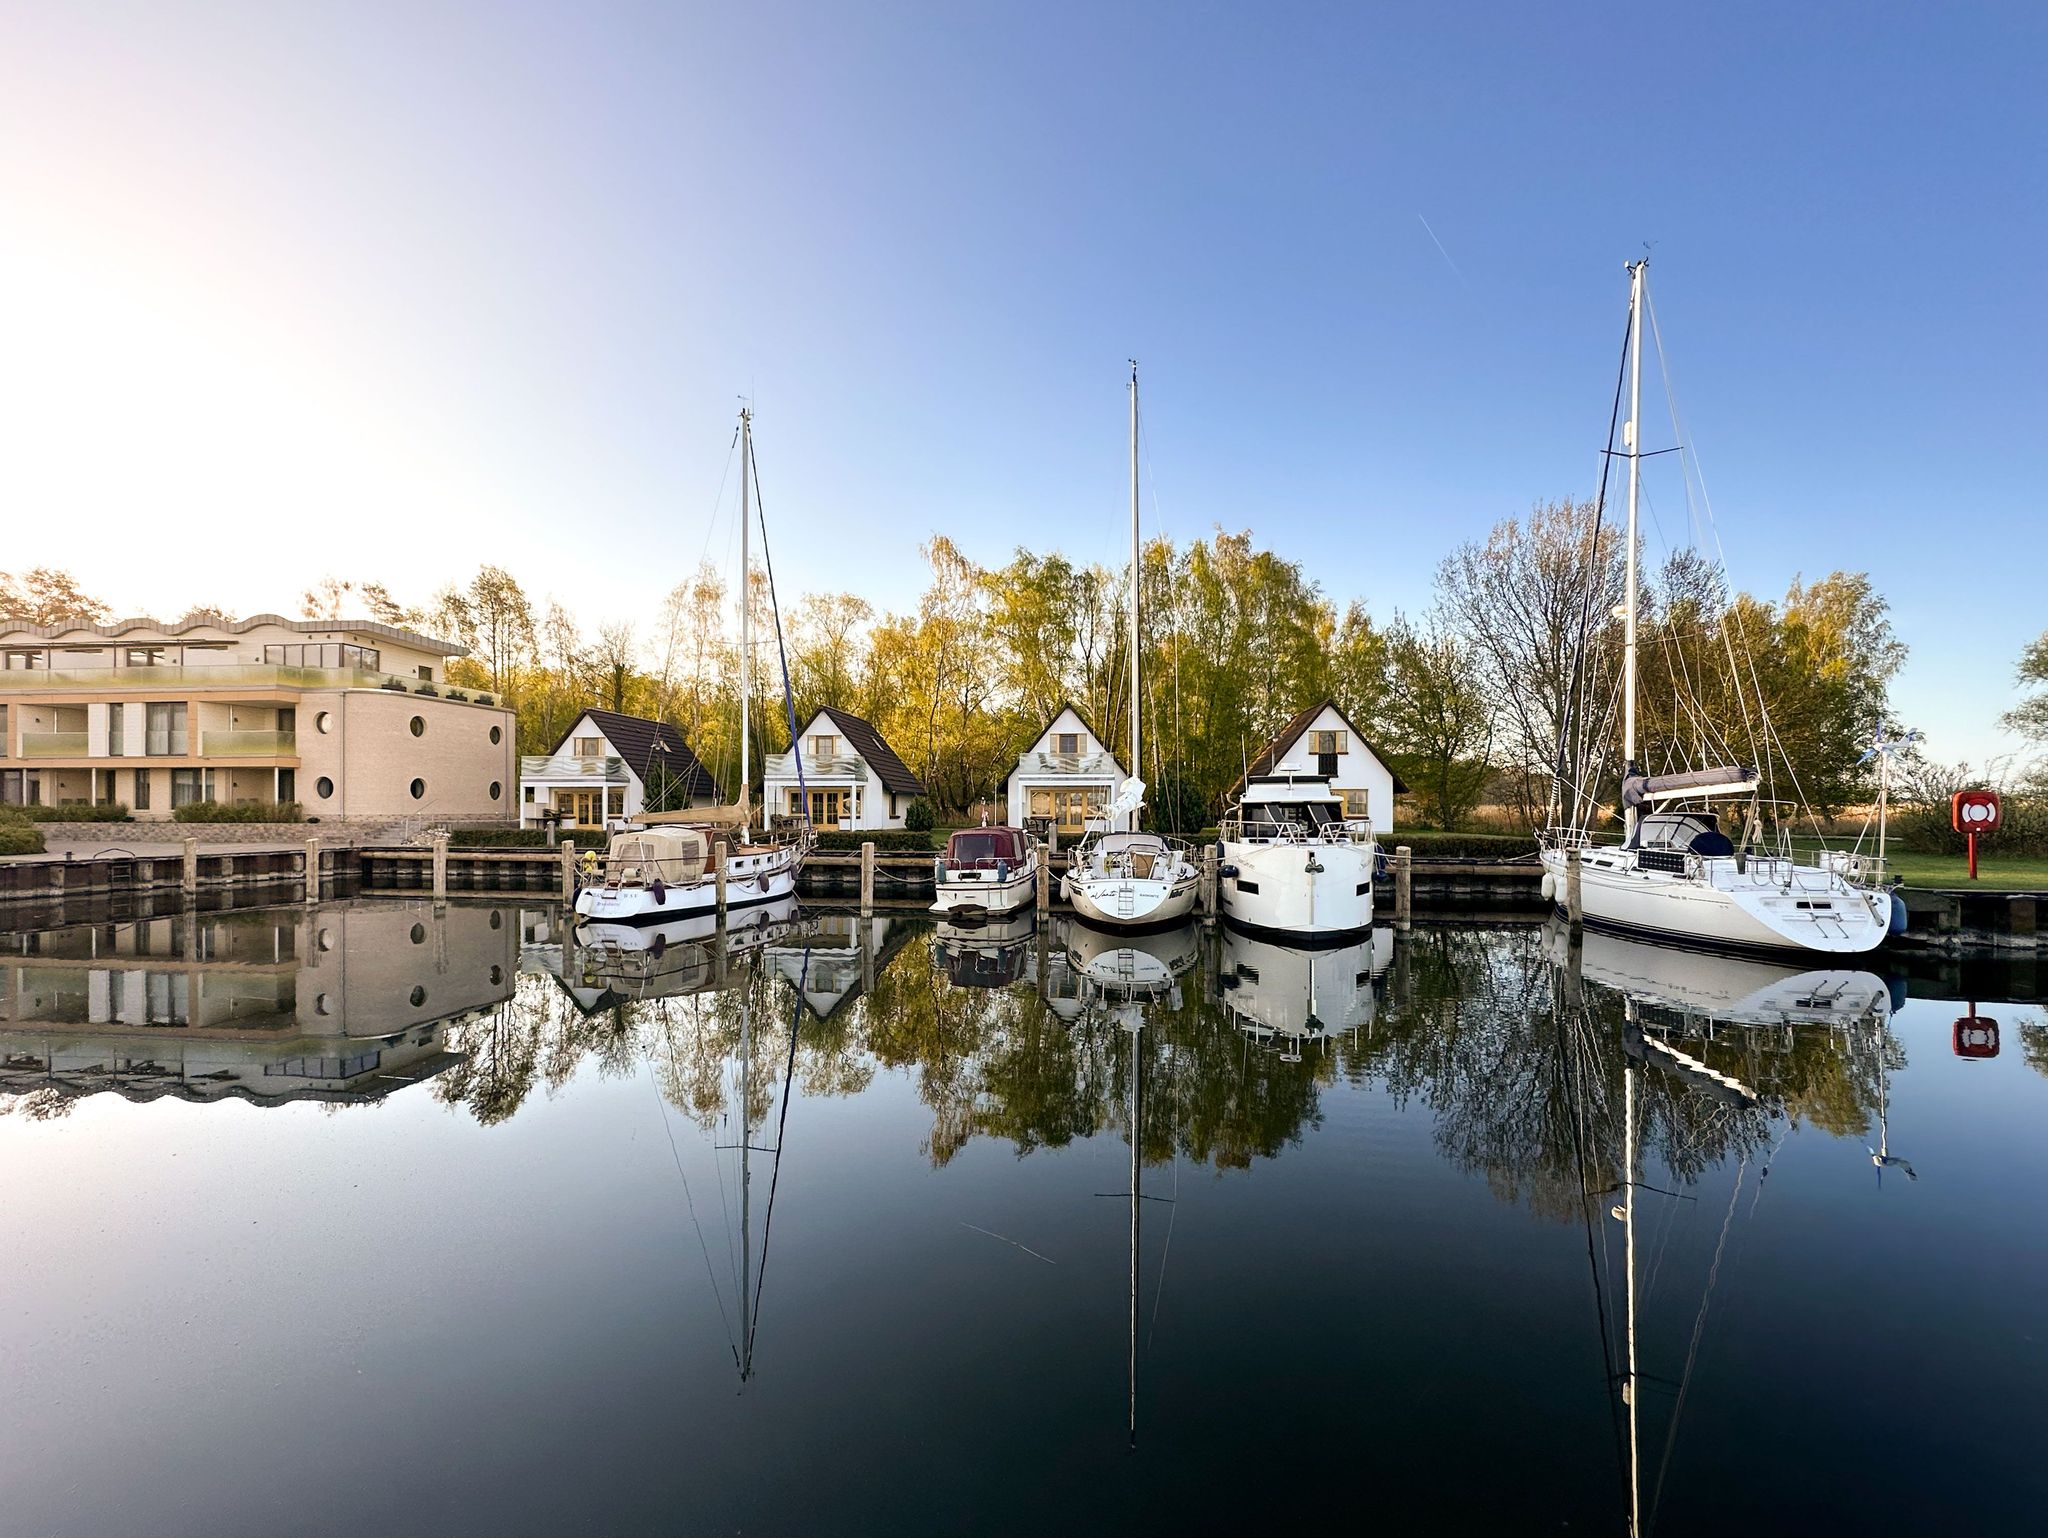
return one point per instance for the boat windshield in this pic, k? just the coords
(1263, 815)
(1699, 832)
(974, 846)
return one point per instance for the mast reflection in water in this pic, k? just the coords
(1486, 1230)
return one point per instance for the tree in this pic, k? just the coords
(47, 596)
(332, 598)
(1439, 716)
(492, 617)
(2030, 717)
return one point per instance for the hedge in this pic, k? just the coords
(19, 837)
(1431, 845)
(261, 811)
(113, 811)
(499, 838)
(884, 839)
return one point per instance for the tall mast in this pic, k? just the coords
(747, 613)
(1137, 768)
(1635, 492)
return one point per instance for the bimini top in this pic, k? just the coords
(658, 854)
(1291, 789)
(1699, 832)
(974, 846)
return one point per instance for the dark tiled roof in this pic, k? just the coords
(1290, 734)
(867, 742)
(638, 741)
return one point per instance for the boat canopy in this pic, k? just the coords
(658, 854)
(985, 846)
(1699, 832)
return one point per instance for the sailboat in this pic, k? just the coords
(662, 871)
(1677, 875)
(1131, 880)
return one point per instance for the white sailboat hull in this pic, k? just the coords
(1312, 890)
(1771, 906)
(1130, 902)
(752, 877)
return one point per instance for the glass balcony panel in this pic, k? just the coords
(248, 744)
(53, 744)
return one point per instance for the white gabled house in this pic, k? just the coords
(608, 768)
(853, 778)
(1065, 777)
(1322, 740)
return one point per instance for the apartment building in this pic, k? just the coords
(349, 718)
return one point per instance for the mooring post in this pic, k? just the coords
(718, 877)
(1404, 884)
(1209, 881)
(441, 866)
(1574, 902)
(568, 850)
(867, 877)
(867, 957)
(1044, 893)
(189, 881)
(313, 869)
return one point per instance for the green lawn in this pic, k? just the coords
(2011, 873)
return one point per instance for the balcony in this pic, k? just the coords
(197, 677)
(53, 744)
(568, 766)
(248, 744)
(844, 766)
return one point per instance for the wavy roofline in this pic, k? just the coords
(121, 627)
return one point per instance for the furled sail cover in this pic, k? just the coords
(1638, 788)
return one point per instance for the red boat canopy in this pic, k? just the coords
(972, 845)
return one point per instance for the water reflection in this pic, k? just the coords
(342, 1004)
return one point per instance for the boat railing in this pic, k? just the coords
(1560, 838)
(948, 866)
(1125, 864)
(1236, 830)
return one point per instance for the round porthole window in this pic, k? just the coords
(497, 919)
(326, 939)
(497, 735)
(419, 997)
(497, 976)
(419, 934)
(324, 722)
(418, 726)
(497, 790)
(419, 789)
(323, 788)
(320, 1004)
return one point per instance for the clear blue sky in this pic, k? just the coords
(405, 287)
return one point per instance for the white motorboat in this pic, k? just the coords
(986, 871)
(1292, 865)
(663, 872)
(1677, 875)
(1129, 879)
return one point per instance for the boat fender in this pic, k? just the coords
(1227, 870)
(660, 891)
(939, 869)
(1549, 886)
(1002, 870)
(1380, 867)
(1897, 923)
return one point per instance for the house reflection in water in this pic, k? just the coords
(342, 1003)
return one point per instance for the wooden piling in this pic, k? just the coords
(867, 878)
(188, 882)
(1208, 881)
(568, 849)
(313, 869)
(1404, 885)
(718, 876)
(441, 867)
(1574, 890)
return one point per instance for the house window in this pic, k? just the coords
(166, 734)
(331, 654)
(1356, 805)
(141, 790)
(427, 674)
(615, 801)
(587, 747)
(1041, 803)
(143, 656)
(824, 747)
(1321, 743)
(417, 726)
(21, 787)
(529, 794)
(4, 745)
(1067, 744)
(287, 785)
(16, 659)
(323, 788)
(184, 786)
(115, 732)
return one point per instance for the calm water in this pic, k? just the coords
(378, 1217)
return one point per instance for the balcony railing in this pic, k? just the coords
(248, 744)
(845, 766)
(226, 675)
(569, 766)
(53, 744)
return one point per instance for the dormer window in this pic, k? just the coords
(587, 747)
(1325, 743)
(1067, 744)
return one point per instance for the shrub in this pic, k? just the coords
(111, 812)
(394, 685)
(260, 811)
(499, 838)
(1174, 806)
(18, 836)
(884, 839)
(1429, 845)
(428, 689)
(917, 817)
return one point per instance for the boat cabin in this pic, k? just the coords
(997, 849)
(1284, 806)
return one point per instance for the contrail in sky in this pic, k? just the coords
(1440, 247)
